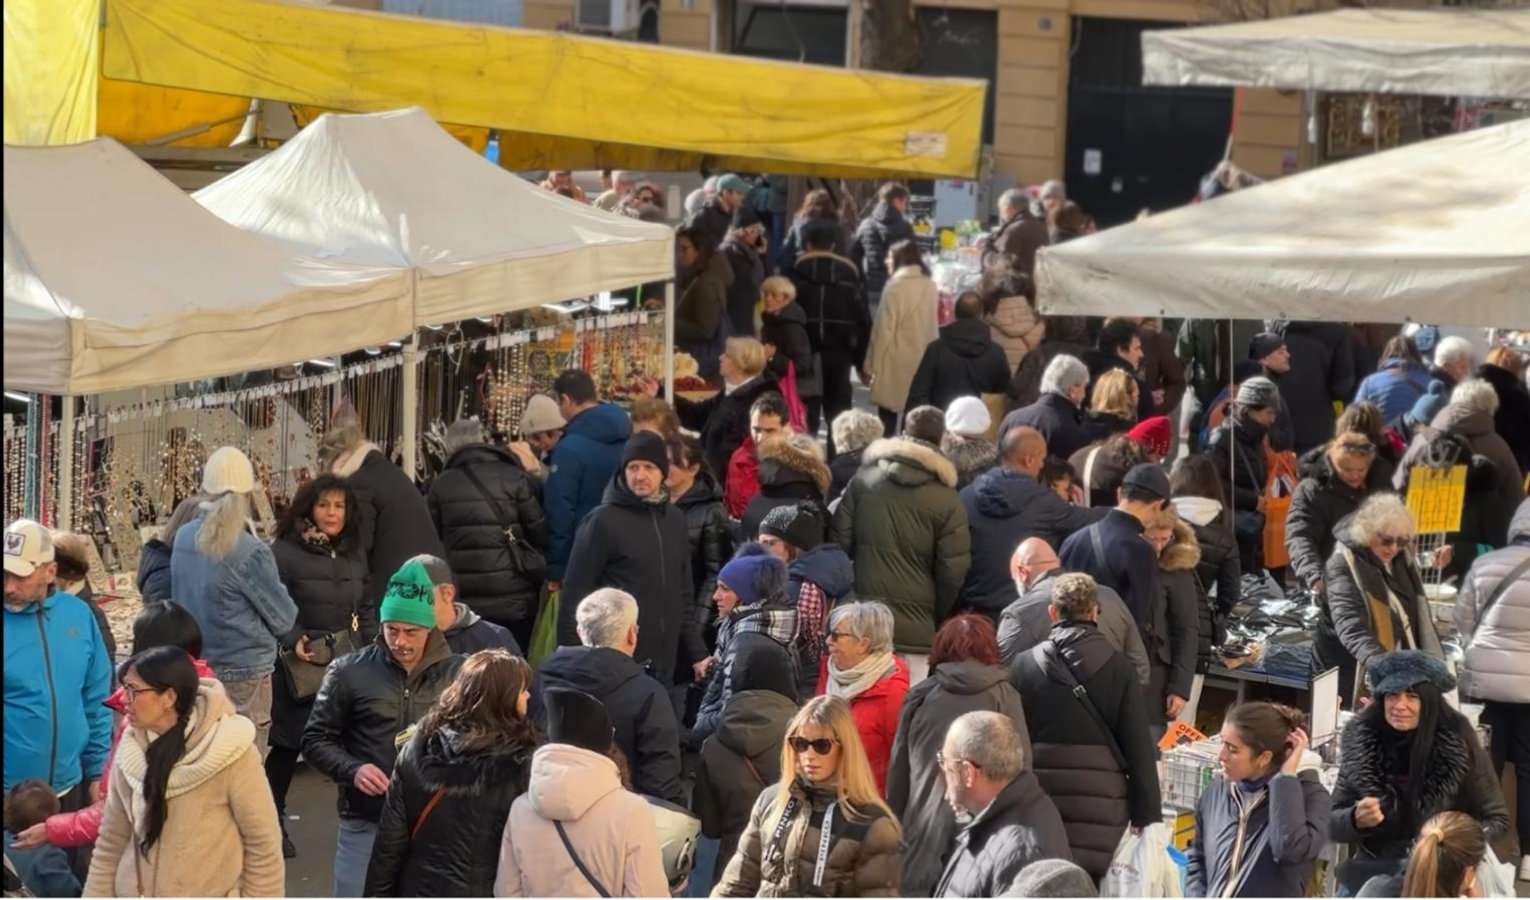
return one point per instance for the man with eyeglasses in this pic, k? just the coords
(1009, 820)
(1112, 550)
(367, 705)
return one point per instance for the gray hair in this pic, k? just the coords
(623, 176)
(1384, 513)
(870, 620)
(1063, 374)
(224, 518)
(188, 510)
(1054, 188)
(990, 742)
(1451, 348)
(1075, 596)
(855, 429)
(1014, 199)
(1476, 394)
(604, 617)
(463, 433)
(435, 567)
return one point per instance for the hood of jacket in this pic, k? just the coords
(791, 312)
(909, 462)
(482, 453)
(969, 454)
(967, 338)
(603, 423)
(598, 671)
(828, 567)
(446, 766)
(466, 618)
(216, 738)
(567, 780)
(1183, 553)
(1199, 511)
(782, 463)
(885, 214)
(702, 491)
(1001, 493)
(1463, 420)
(822, 268)
(754, 722)
(1316, 465)
(969, 676)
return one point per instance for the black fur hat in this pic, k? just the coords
(1402, 669)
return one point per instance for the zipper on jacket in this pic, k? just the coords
(42, 633)
(1235, 862)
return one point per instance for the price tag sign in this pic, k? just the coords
(1179, 733)
(1436, 497)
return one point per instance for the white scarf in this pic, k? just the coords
(347, 463)
(855, 681)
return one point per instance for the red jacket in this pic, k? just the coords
(78, 828)
(876, 714)
(743, 479)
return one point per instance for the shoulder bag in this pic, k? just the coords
(528, 560)
(1058, 669)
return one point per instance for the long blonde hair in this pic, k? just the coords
(857, 786)
(224, 518)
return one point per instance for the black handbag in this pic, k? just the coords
(527, 559)
(304, 677)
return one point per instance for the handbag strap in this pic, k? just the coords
(1502, 588)
(430, 804)
(579, 863)
(499, 509)
(1055, 666)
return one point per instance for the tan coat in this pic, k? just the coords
(610, 827)
(907, 321)
(221, 837)
(1017, 328)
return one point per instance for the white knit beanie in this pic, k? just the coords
(228, 470)
(968, 417)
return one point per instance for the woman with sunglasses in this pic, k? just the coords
(862, 670)
(823, 830)
(1375, 601)
(189, 813)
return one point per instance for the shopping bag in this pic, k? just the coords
(1495, 878)
(544, 634)
(796, 410)
(1142, 866)
(1277, 502)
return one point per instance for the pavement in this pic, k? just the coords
(312, 823)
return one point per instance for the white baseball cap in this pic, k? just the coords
(27, 546)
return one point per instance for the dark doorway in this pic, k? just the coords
(962, 43)
(809, 34)
(1132, 147)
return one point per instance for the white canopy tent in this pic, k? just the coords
(395, 189)
(1437, 231)
(1446, 52)
(114, 279)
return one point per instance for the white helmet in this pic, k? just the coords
(677, 830)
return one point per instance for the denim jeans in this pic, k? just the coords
(353, 851)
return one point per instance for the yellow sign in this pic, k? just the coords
(1435, 497)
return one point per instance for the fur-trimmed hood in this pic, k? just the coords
(971, 456)
(910, 462)
(780, 460)
(445, 766)
(1183, 553)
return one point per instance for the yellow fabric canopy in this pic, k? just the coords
(51, 53)
(559, 100)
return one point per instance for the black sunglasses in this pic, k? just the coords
(820, 746)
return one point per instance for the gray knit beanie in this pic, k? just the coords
(1258, 391)
(1052, 878)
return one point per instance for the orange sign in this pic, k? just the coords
(1179, 733)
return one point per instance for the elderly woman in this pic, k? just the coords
(784, 332)
(853, 431)
(1374, 602)
(966, 443)
(1336, 478)
(1468, 418)
(1112, 405)
(965, 676)
(862, 670)
(723, 420)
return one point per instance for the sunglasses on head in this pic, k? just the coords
(820, 746)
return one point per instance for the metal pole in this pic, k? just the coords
(669, 340)
(66, 465)
(1232, 443)
(411, 405)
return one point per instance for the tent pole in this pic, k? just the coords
(411, 405)
(1232, 444)
(65, 516)
(669, 340)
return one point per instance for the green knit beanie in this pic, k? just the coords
(410, 598)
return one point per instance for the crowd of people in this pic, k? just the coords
(930, 654)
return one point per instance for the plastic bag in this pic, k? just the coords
(544, 634)
(1495, 878)
(1142, 866)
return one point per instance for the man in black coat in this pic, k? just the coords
(367, 699)
(647, 730)
(1322, 371)
(636, 541)
(1097, 761)
(1112, 550)
(962, 362)
(1058, 412)
(877, 234)
(483, 494)
(1012, 824)
(744, 248)
(715, 217)
(833, 298)
(1119, 346)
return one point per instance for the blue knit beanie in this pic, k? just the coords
(1429, 403)
(742, 573)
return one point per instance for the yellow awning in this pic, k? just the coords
(51, 49)
(559, 100)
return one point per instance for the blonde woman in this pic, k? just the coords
(1112, 405)
(826, 784)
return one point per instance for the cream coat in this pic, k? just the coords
(907, 321)
(1017, 328)
(221, 837)
(611, 828)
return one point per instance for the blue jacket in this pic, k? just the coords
(240, 603)
(582, 465)
(57, 677)
(1395, 387)
(471, 633)
(1130, 566)
(45, 871)
(154, 571)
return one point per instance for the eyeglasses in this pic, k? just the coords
(1387, 540)
(132, 691)
(836, 635)
(820, 746)
(941, 759)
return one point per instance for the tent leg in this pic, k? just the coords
(669, 340)
(65, 514)
(1232, 445)
(411, 407)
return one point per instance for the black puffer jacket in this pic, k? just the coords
(1512, 421)
(642, 548)
(787, 331)
(737, 763)
(1218, 569)
(456, 852)
(875, 236)
(1320, 501)
(154, 571)
(842, 468)
(473, 531)
(1019, 827)
(723, 421)
(711, 539)
(833, 298)
(788, 476)
(1100, 425)
(962, 362)
(640, 711)
(365, 701)
(1175, 636)
(1322, 371)
(1248, 470)
(393, 521)
(744, 292)
(1095, 795)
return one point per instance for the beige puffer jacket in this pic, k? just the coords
(1016, 327)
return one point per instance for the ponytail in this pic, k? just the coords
(163, 669)
(1449, 844)
(162, 756)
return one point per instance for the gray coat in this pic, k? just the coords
(1498, 645)
(915, 785)
(1019, 827)
(1286, 831)
(1025, 624)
